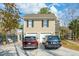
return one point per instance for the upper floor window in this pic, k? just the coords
(30, 23)
(45, 23)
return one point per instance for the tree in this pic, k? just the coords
(63, 32)
(20, 26)
(44, 11)
(67, 15)
(74, 26)
(10, 18)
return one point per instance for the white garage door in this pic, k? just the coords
(42, 36)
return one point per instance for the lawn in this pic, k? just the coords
(70, 45)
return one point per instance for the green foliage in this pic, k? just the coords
(9, 16)
(63, 32)
(20, 26)
(4, 37)
(44, 11)
(74, 26)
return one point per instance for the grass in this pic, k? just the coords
(70, 45)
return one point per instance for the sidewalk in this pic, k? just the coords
(8, 50)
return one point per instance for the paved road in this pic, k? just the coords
(41, 51)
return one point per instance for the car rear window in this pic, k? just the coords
(30, 37)
(53, 38)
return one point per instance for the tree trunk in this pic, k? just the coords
(4, 38)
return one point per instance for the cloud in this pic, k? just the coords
(60, 10)
(30, 7)
(2, 6)
(53, 9)
(56, 4)
(34, 7)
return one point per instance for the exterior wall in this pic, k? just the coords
(39, 29)
(57, 26)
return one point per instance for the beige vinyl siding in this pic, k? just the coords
(38, 27)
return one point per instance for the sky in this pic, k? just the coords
(61, 10)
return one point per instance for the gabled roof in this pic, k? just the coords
(40, 16)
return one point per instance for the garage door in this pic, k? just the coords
(42, 36)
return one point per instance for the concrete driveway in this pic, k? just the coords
(17, 50)
(41, 51)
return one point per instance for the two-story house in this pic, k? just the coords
(40, 25)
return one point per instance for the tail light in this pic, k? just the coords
(34, 42)
(25, 42)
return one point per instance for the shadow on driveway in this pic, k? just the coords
(7, 53)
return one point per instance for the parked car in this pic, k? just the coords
(0, 39)
(30, 42)
(52, 42)
(9, 40)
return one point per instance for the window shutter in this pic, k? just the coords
(27, 23)
(42, 23)
(32, 23)
(47, 23)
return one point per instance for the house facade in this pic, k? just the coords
(40, 25)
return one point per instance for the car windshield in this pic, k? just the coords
(30, 37)
(54, 38)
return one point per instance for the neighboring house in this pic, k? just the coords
(40, 25)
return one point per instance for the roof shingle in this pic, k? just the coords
(40, 16)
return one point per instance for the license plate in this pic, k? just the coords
(29, 43)
(54, 42)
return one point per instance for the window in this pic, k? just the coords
(30, 23)
(45, 23)
(30, 38)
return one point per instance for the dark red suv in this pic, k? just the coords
(30, 42)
